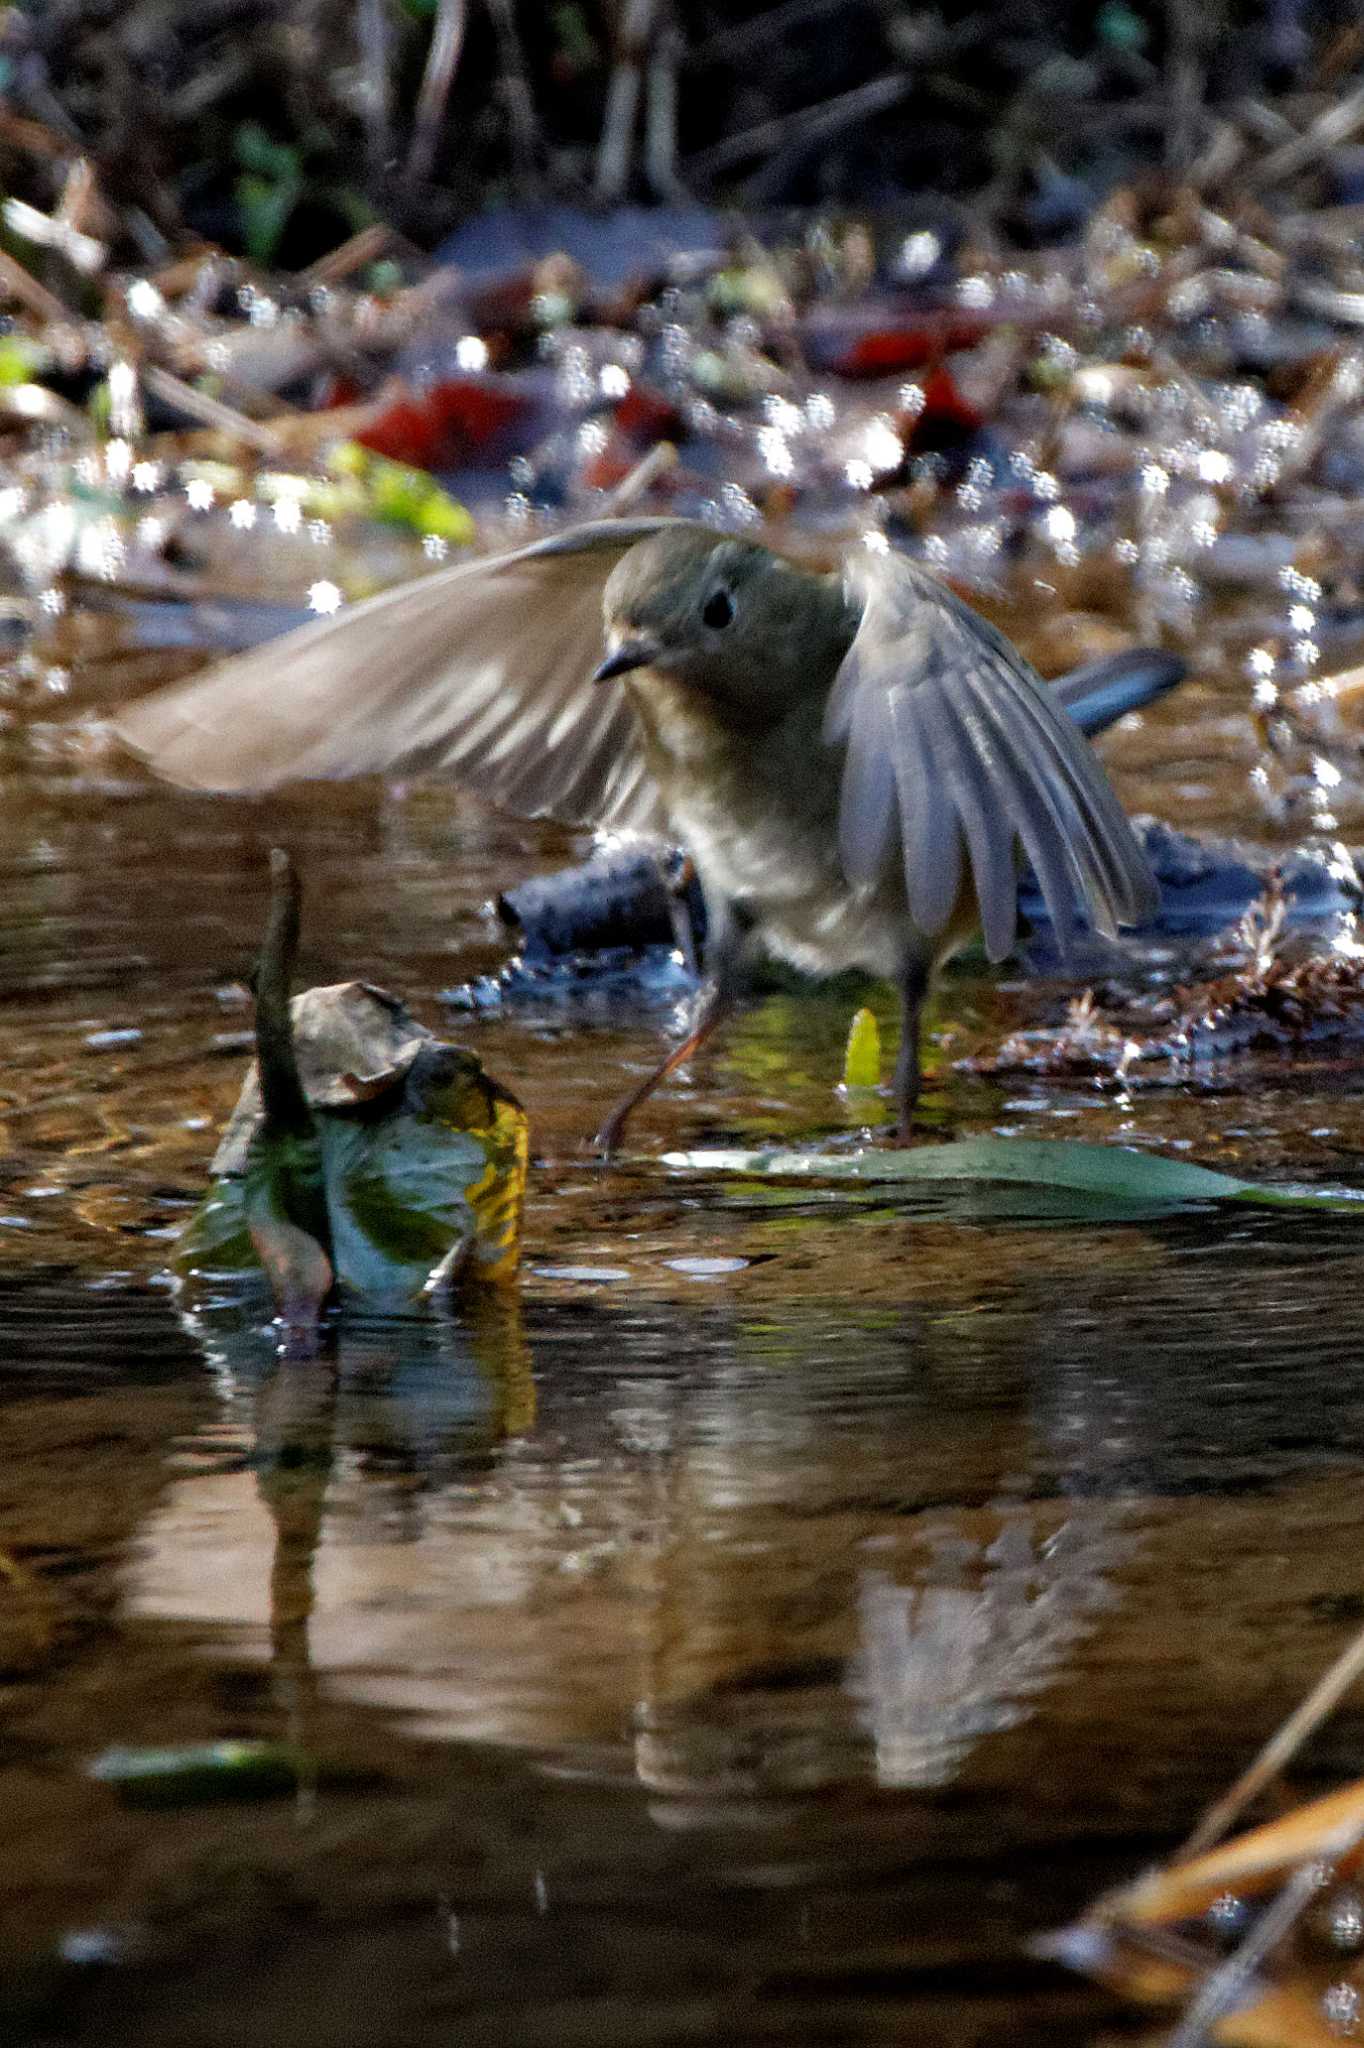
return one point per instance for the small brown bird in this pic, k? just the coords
(857, 762)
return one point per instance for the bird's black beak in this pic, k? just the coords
(629, 654)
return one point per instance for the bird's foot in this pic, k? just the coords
(904, 1134)
(605, 1143)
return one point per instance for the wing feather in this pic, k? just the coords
(1050, 826)
(953, 742)
(482, 670)
(1101, 837)
(986, 831)
(930, 823)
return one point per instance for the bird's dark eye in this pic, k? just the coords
(718, 609)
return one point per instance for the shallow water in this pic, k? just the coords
(751, 1651)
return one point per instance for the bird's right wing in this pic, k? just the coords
(957, 753)
(483, 670)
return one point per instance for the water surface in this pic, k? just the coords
(751, 1634)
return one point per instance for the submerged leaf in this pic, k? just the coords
(1112, 1173)
(202, 1771)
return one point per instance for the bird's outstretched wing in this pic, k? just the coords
(483, 669)
(956, 751)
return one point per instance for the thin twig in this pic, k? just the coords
(1279, 1751)
(50, 231)
(660, 113)
(1183, 83)
(809, 124)
(375, 36)
(349, 256)
(33, 136)
(1335, 126)
(762, 32)
(637, 481)
(520, 101)
(442, 62)
(1226, 1985)
(616, 148)
(210, 412)
(22, 285)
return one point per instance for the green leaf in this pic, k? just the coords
(192, 1773)
(862, 1060)
(22, 359)
(421, 1184)
(1120, 27)
(257, 151)
(265, 208)
(403, 1196)
(1105, 1175)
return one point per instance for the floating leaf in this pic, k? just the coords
(1103, 1174)
(423, 1156)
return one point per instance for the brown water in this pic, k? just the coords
(753, 1654)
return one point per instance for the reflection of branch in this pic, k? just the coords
(295, 1412)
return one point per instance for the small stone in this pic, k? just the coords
(705, 1269)
(586, 1273)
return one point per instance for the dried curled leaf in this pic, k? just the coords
(1249, 1863)
(1272, 2015)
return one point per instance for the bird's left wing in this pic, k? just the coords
(483, 670)
(957, 753)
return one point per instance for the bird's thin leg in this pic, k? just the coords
(726, 932)
(715, 1005)
(908, 1073)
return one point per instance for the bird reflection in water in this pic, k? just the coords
(728, 1576)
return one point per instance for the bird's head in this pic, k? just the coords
(723, 617)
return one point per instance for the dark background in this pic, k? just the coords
(280, 126)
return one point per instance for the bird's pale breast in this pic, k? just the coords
(758, 814)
